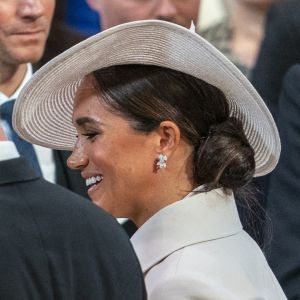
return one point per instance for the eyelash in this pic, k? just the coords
(90, 136)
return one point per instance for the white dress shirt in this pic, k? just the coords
(44, 155)
(8, 150)
(196, 249)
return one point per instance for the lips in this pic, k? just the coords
(34, 30)
(29, 32)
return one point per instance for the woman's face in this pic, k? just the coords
(116, 161)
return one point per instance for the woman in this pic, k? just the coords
(166, 129)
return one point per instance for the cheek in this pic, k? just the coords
(7, 14)
(49, 10)
(188, 11)
(123, 164)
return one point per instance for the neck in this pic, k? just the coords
(11, 77)
(169, 186)
(247, 23)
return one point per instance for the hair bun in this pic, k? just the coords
(225, 158)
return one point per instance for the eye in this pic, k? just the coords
(90, 135)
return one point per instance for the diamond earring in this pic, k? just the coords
(162, 161)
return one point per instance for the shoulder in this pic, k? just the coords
(186, 287)
(184, 275)
(228, 268)
(60, 214)
(53, 205)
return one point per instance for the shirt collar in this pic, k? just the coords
(28, 75)
(196, 218)
(8, 150)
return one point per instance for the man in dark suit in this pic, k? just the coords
(283, 205)
(56, 245)
(24, 28)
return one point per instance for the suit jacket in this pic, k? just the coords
(283, 204)
(200, 251)
(279, 51)
(56, 245)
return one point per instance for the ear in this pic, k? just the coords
(169, 137)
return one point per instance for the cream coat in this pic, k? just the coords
(196, 249)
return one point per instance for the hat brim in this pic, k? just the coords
(43, 110)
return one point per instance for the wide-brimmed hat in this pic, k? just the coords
(43, 110)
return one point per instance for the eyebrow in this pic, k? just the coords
(86, 121)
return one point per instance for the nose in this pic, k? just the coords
(31, 9)
(167, 10)
(77, 160)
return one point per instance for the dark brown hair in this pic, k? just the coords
(148, 95)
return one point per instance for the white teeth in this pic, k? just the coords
(93, 180)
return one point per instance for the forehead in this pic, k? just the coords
(86, 91)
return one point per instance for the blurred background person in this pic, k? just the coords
(24, 28)
(279, 51)
(277, 78)
(283, 205)
(64, 33)
(240, 33)
(80, 17)
(73, 21)
(114, 12)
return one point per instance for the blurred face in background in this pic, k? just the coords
(115, 12)
(24, 28)
(260, 4)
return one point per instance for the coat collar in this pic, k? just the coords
(196, 218)
(16, 170)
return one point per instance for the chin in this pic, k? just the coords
(28, 55)
(102, 203)
(34, 57)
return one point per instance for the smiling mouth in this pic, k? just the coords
(94, 180)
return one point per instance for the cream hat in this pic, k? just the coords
(43, 110)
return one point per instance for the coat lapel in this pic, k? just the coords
(194, 219)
